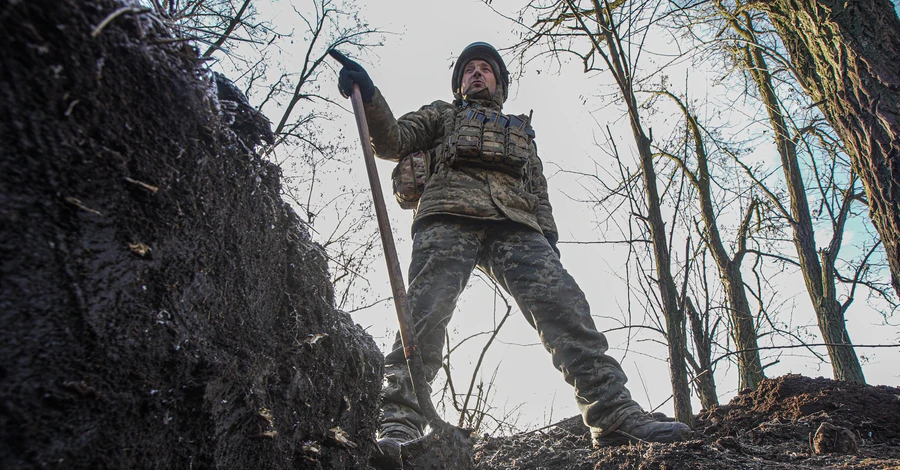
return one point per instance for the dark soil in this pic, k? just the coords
(160, 305)
(774, 427)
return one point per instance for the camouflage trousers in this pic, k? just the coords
(446, 250)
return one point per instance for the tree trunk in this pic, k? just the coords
(846, 55)
(704, 382)
(675, 319)
(743, 327)
(819, 276)
(830, 314)
(676, 330)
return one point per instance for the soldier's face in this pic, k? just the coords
(477, 76)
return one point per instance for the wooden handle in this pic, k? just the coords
(404, 316)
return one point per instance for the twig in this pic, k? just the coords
(793, 346)
(77, 203)
(604, 242)
(71, 108)
(171, 41)
(121, 11)
(234, 22)
(481, 358)
(148, 187)
(370, 305)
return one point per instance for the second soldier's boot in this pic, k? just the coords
(642, 427)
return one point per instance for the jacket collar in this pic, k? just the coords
(483, 99)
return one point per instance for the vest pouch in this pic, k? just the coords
(465, 145)
(408, 179)
(518, 147)
(493, 142)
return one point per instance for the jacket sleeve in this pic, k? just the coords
(393, 138)
(537, 185)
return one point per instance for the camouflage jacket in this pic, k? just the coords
(473, 192)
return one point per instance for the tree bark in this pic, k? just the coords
(705, 384)
(846, 55)
(817, 267)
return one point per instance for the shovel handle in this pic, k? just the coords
(404, 316)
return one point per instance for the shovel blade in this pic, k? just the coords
(445, 448)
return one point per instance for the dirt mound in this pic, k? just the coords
(789, 422)
(803, 403)
(161, 306)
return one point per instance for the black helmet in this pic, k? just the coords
(483, 51)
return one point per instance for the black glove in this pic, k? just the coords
(552, 238)
(351, 73)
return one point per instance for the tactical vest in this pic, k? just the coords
(489, 139)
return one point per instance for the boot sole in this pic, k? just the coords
(619, 439)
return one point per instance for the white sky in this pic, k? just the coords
(413, 69)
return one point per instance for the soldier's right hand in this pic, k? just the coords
(553, 238)
(351, 73)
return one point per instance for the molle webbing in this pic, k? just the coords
(490, 139)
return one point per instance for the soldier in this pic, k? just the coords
(485, 205)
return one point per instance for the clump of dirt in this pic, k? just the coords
(161, 306)
(773, 427)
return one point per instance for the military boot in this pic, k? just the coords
(390, 438)
(642, 427)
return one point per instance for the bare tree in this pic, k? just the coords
(614, 37)
(743, 327)
(210, 24)
(817, 266)
(845, 54)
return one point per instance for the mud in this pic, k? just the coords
(161, 307)
(773, 427)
